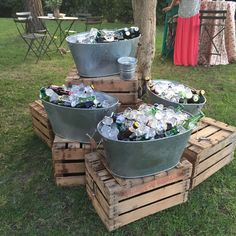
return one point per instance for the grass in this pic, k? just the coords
(31, 204)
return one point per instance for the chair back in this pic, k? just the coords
(213, 15)
(22, 24)
(83, 16)
(23, 14)
(93, 20)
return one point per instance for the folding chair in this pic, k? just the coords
(36, 41)
(83, 16)
(93, 20)
(212, 28)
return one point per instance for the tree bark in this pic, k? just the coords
(36, 9)
(144, 13)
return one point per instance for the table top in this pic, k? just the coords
(65, 18)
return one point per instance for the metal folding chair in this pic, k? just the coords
(212, 28)
(36, 40)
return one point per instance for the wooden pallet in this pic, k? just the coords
(68, 161)
(41, 124)
(121, 201)
(125, 91)
(211, 146)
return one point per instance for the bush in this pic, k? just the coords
(8, 8)
(111, 10)
(124, 11)
(160, 14)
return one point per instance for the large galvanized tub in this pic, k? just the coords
(143, 158)
(76, 123)
(100, 59)
(191, 108)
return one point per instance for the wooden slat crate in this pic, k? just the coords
(121, 201)
(125, 91)
(122, 107)
(41, 124)
(210, 147)
(68, 161)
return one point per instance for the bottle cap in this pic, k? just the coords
(195, 97)
(135, 124)
(127, 33)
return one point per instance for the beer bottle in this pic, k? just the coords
(194, 99)
(192, 121)
(86, 104)
(119, 34)
(99, 105)
(128, 132)
(87, 99)
(137, 31)
(59, 90)
(126, 33)
(134, 32)
(199, 92)
(43, 95)
(124, 134)
(159, 135)
(171, 132)
(183, 100)
(169, 126)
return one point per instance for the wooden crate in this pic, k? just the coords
(121, 201)
(125, 91)
(68, 161)
(122, 107)
(41, 124)
(211, 146)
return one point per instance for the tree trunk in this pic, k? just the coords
(36, 9)
(144, 12)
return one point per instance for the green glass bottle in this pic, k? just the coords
(192, 121)
(171, 132)
(43, 95)
(153, 111)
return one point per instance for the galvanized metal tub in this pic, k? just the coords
(76, 123)
(127, 67)
(129, 159)
(100, 59)
(191, 108)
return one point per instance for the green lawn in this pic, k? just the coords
(31, 204)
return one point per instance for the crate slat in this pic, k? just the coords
(207, 131)
(64, 168)
(153, 208)
(69, 154)
(206, 154)
(40, 115)
(126, 98)
(215, 158)
(120, 201)
(41, 127)
(47, 140)
(112, 83)
(40, 122)
(209, 172)
(125, 91)
(68, 159)
(112, 224)
(70, 181)
(219, 124)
